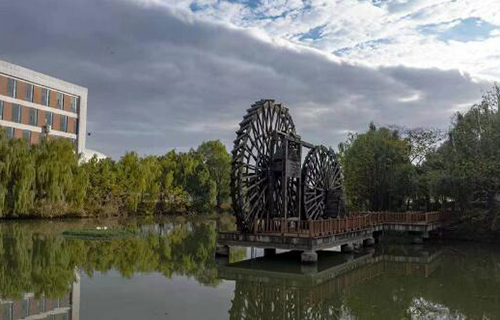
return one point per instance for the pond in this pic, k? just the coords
(167, 269)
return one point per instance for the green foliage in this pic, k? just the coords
(99, 233)
(190, 174)
(22, 177)
(465, 169)
(131, 181)
(60, 185)
(49, 180)
(103, 193)
(378, 172)
(217, 159)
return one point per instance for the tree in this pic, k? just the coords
(5, 174)
(187, 172)
(131, 181)
(151, 193)
(173, 197)
(467, 165)
(378, 174)
(218, 162)
(103, 192)
(421, 140)
(60, 182)
(22, 178)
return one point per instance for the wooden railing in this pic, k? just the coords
(355, 221)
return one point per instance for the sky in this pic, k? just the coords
(165, 74)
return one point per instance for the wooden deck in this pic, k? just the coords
(354, 222)
(310, 236)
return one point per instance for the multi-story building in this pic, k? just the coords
(33, 105)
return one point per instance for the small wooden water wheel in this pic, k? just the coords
(322, 185)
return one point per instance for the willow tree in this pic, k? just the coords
(131, 181)
(20, 186)
(218, 161)
(151, 193)
(4, 172)
(60, 183)
(173, 197)
(103, 192)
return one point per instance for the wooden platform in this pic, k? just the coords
(310, 236)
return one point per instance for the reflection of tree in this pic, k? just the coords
(45, 263)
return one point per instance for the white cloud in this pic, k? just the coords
(385, 34)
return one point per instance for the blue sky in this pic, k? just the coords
(465, 30)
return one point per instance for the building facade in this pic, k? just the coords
(34, 105)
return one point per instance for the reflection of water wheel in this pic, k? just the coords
(322, 180)
(255, 193)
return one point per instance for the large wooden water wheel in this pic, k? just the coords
(322, 184)
(267, 179)
(255, 190)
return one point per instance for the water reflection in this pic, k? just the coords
(40, 273)
(280, 287)
(29, 306)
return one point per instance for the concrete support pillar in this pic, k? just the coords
(309, 268)
(309, 257)
(222, 250)
(418, 240)
(369, 242)
(357, 245)
(370, 250)
(269, 252)
(348, 256)
(346, 248)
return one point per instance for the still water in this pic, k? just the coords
(168, 270)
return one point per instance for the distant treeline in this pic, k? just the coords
(49, 180)
(398, 169)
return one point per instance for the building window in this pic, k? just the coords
(26, 304)
(29, 92)
(45, 97)
(11, 132)
(74, 104)
(33, 117)
(16, 113)
(27, 135)
(1, 110)
(12, 87)
(7, 311)
(77, 123)
(43, 305)
(48, 118)
(60, 101)
(64, 123)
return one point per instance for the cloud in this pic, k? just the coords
(388, 32)
(161, 77)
